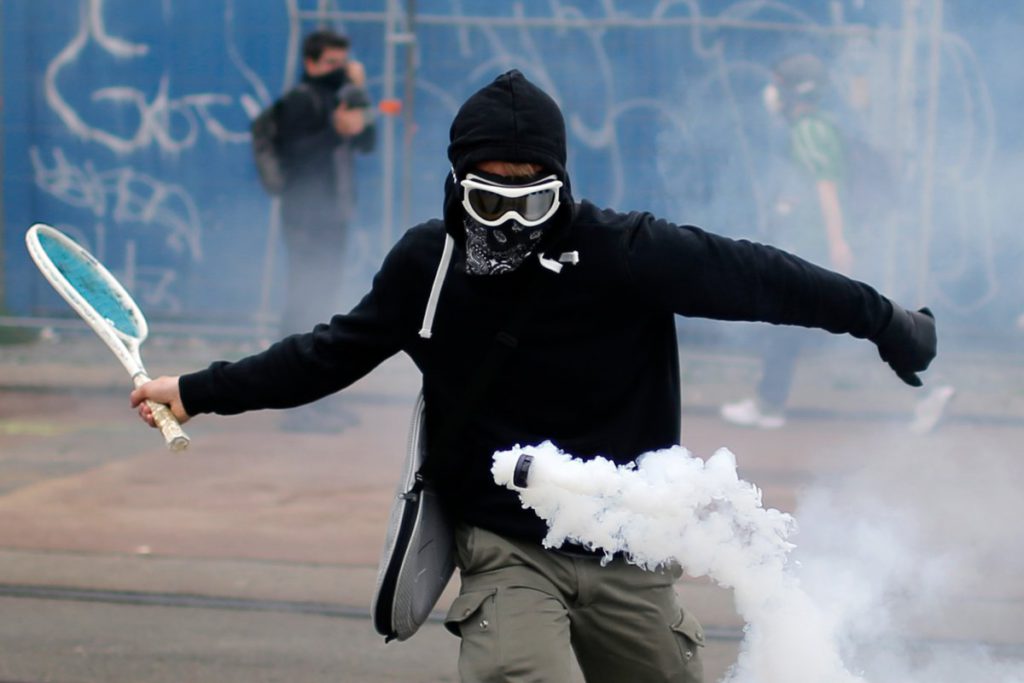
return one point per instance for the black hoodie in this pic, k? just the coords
(596, 367)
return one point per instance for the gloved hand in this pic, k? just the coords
(907, 343)
(355, 97)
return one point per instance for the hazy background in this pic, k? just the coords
(126, 123)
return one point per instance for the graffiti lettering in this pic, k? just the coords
(157, 117)
(125, 196)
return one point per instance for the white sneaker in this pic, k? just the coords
(747, 413)
(930, 409)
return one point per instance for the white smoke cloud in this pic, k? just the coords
(870, 567)
(917, 552)
(674, 506)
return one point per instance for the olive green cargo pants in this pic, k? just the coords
(521, 607)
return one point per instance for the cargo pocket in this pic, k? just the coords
(471, 610)
(690, 637)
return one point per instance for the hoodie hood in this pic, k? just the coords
(510, 119)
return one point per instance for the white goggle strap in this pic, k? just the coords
(475, 182)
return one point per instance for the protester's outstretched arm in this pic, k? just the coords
(303, 368)
(696, 273)
(160, 390)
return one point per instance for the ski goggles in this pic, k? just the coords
(492, 203)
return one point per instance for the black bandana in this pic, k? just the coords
(501, 249)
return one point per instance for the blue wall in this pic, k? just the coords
(125, 122)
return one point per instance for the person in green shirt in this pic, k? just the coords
(806, 218)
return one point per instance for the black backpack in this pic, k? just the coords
(264, 149)
(264, 130)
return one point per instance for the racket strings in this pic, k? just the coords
(81, 273)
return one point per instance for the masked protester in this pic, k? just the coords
(592, 366)
(320, 126)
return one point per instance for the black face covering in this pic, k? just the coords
(332, 79)
(499, 249)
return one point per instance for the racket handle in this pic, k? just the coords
(176, 438)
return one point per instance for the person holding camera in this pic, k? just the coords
(321, 124)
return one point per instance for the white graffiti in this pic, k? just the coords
(125, 196)
(157, 289)
(711, 101)
(171, 123)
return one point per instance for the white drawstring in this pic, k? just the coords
(551, 264)
(571, 257)
(435, 290)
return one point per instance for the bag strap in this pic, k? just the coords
(505, 341)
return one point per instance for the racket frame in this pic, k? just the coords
(125, 347)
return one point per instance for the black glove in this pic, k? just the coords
(355, 97)
(907, 343)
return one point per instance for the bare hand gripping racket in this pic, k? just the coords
(105, 305)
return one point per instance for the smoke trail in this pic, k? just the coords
(918, 551)
(674, 506)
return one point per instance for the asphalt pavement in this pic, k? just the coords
(252, 556)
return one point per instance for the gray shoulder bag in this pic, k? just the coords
(419, 550)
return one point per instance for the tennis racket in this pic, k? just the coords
(105, 305)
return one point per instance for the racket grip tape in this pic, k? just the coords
(176, 438)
